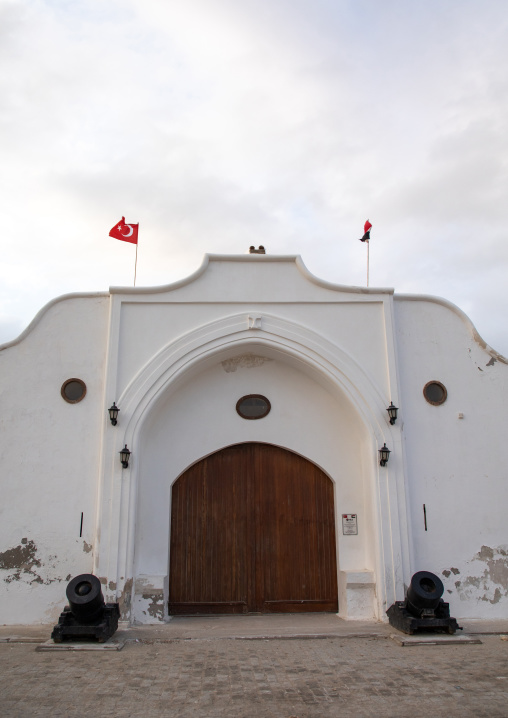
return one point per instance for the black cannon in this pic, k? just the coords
(86, 616)
(423, 608)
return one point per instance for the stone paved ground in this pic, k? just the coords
(300, 678)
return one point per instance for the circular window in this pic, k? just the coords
(73, 390)
(253, 406)
(435, 392)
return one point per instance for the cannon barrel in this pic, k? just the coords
(84, 594)
(424, 593)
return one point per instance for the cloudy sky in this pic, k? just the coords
(217, 124)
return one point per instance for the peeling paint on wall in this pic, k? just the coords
(155, 607)
(21, 557)
(494, 358)
(488, 583)
(21, 561)
(124, 600)
(87, 547)
(149, 600)
(446, 572)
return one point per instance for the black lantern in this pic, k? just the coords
(113, 413)
(124, 456)
(392, 412)
(384, 454)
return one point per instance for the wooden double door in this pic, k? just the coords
(252, 530)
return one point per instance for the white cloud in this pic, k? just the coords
(218, 124)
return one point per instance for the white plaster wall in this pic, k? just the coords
(200, 418)
(141, 338)
(158, 338)
(456, 467)
(49, 457)
(127, 354)
(148, 319)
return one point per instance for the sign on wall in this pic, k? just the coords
(349, 525)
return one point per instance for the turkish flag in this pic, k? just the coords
(125, 232)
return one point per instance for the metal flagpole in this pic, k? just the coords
(136, 265)
(366, 238)
(368, 259)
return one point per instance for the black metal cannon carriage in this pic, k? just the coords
(87, 616)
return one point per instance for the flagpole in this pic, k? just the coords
(136, 264)
(368, 258)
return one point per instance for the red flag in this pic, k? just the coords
(125, 232)
(366, 231)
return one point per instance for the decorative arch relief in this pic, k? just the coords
(243, 361)
(254, 321)
(327, 359)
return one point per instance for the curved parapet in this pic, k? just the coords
(265, 259)
(496, 356)
(208, 259)
(162, 288)
(45, 309)
(338, 287)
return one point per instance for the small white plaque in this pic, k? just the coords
(349, 524)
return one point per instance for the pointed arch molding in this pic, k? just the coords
(212, 342)
(228, 334)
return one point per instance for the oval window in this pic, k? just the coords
(73, 390)
(435, 392)
(253, 406)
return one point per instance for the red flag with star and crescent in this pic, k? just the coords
(125, 232)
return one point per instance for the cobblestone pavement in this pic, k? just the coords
(300, 678)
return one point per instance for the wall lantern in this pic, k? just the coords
(113, 413)
(392, 412)
(124, 456)
(384, 454)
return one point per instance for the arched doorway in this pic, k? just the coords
(252, 530)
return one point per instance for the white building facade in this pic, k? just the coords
(328, 360)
